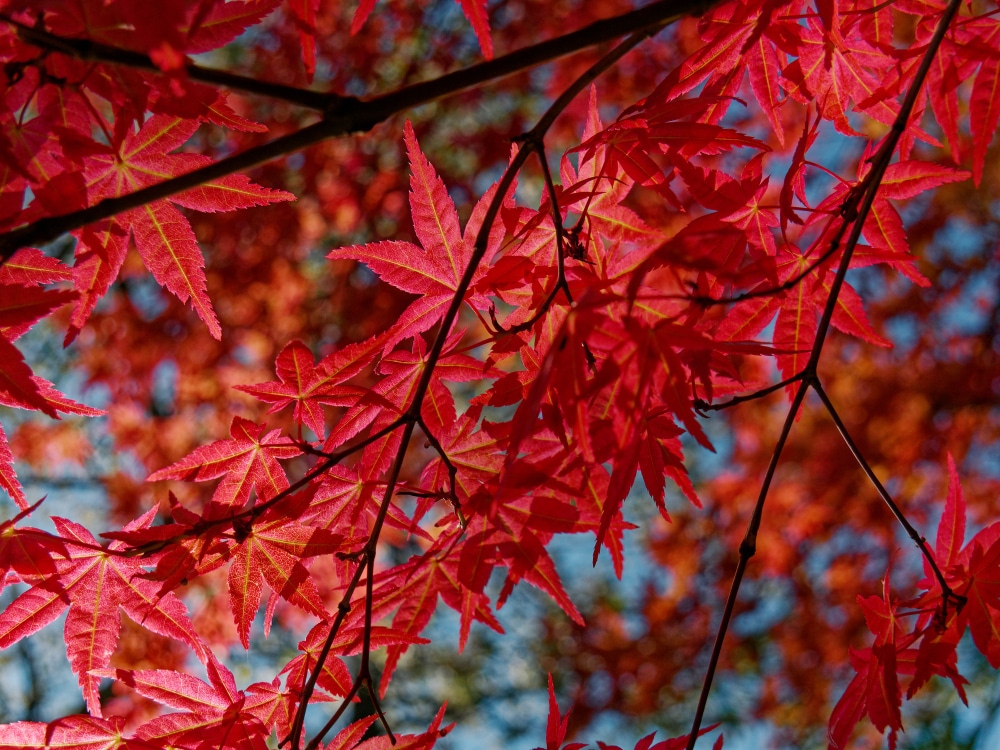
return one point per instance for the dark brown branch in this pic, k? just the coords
(449, 465)
(336, 714)
(307, 690)
(366, 564)
(748, 548)
(599, 32)
(700, 405)
(560, 283)
(784, 286)
(345, 115)
(255, 512)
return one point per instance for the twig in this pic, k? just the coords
(86, 49)
(307, 690)
(785, 286)
(748, 548)
(335, 717)
(449, 465)
(366, 564)
(662, 12)
(700, 405)
(252, 514)
(949, 594)
(560, 284)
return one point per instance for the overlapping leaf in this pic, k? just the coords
(93, 582)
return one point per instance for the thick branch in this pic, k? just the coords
(345, 115)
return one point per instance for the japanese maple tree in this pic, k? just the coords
(491, 282)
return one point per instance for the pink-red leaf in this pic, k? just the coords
(248, 462)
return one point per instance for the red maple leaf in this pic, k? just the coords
(309, 386)
(272, 550)
(984, 106)
(93, 582)
(557, 725)
(434, 269)
(163, 236)
(27, 551)
(77, 731)
(248, 462)
(875, 688)
(973, 572)
(834, 67)
(30, 266)
(413, 590)
(212, 714)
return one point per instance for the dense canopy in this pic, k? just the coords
(315, 316)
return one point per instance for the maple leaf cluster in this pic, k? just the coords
(528, 370)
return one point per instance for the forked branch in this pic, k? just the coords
(853, 213)
(411, 417)
(947, 592)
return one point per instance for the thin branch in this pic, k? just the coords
(411, 416)
(856, 214)
(560, 284)
(949, 594)
(86, 49)
(785, 286)
(449, 465)
(345, 115)
(373, 695)
(333, 719)
(253, 513)
(700, 405)
(599, 32)
(748, 548)
(343, 608)
(557, 221)
(368, 565)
